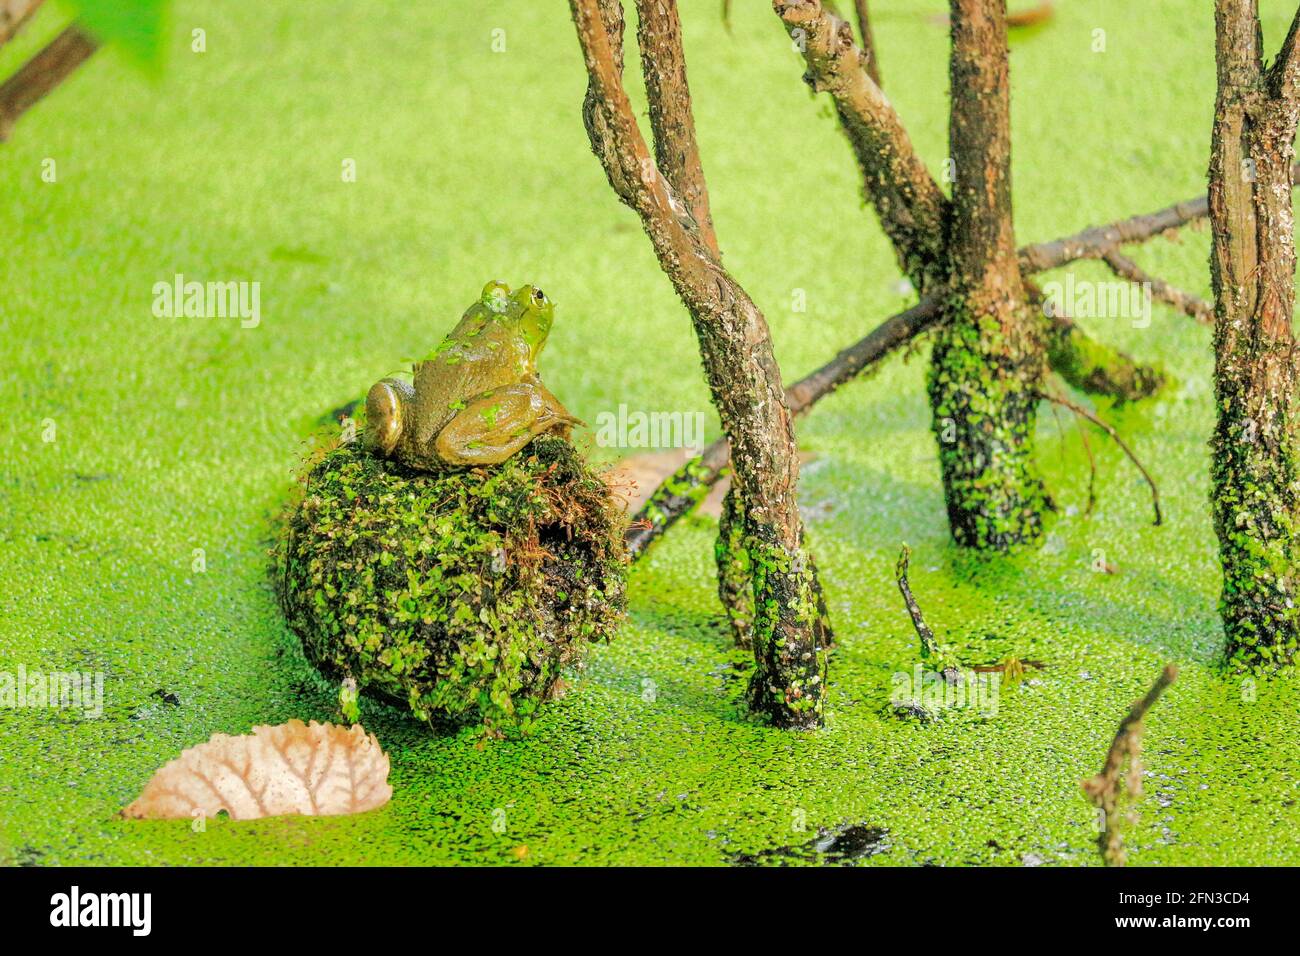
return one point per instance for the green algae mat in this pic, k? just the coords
(370, 166)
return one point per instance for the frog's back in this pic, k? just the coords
(474, 358)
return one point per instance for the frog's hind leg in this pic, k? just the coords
(499, 423)
(386, 405)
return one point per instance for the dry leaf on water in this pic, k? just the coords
(316, 769)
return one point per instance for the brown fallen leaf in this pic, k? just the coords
(312, 769)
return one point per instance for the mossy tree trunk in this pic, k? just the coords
(989, 355)
(667, 192)
(994, 343)
(1255, 474)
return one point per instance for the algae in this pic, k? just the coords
(647, 759)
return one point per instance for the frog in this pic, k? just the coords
(477, 399)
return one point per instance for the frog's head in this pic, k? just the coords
(536, 314)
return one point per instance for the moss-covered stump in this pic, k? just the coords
(463, 595)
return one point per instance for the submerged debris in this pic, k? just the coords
(839, 846)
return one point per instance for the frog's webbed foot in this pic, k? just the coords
(499, 423)
(386, 406)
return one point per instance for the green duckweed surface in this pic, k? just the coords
(171, 435)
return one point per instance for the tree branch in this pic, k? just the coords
(905, 196)
(659, 35)
(981, 240)
(871, 62)
(929, 645)
(679, 493)
(1190, 305)
(41, 74)
(1284, 75)
(789, 681)
(14, 14)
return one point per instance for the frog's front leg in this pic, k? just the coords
(496, 424)
(387, 405)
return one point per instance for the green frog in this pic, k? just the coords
(477, 399)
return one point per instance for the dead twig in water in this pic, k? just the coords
(940, 657)
(1111, 789)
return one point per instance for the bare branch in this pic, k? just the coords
(659, 35)
(789, 681)
(1108, 789)
(906, 197)
(929, 645)
(1095, 241)
(14, 14)
(1110, 430)
(677, 495)
(1284, 75)
(872, 61)
(1191, 305)
(41, 74)
(981, 240)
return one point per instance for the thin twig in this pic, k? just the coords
(1191, 305)
(1092, 469)
(928, 643)
(1106, 788)
(1110, 430)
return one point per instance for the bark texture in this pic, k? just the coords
(789, 680)
(1255, 474)
(994, 341)
(895, 181)
(1084, 363)
(989, 357)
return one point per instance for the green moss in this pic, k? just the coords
(464, 594)
(195, 426)
(1256, 501)
(1096, 367)
(735, 585)
(984, 399)
(790, 633)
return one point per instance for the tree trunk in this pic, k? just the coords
(1255, 474)
(736, 347)
(988, 360)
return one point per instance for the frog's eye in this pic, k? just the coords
(539, 297)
